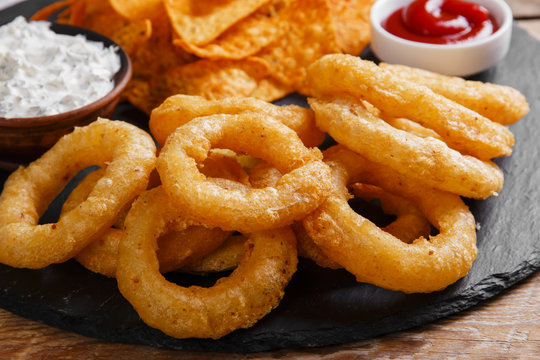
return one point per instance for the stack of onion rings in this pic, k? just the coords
(379, 258)
(178, 248)
(409, 224)
(461, 128)
(127, 153)
(498, 103)
(414, 145)
(238, 301)
(426, 159)
(449, 147)
(303, 187)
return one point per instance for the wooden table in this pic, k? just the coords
(527, 14)
(506, 327)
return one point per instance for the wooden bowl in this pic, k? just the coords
(23, 140)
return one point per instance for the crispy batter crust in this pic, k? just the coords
(377, 257)
(179, 109)
(304, 185)
(127, 152)
(237, 301)
(461, 128)
(428, 160)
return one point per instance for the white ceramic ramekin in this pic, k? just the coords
(450, 59)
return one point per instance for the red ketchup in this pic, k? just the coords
(441, 22)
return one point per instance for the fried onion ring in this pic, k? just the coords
(428, 160)
(307, 248)
(237, 301)
(176, 248)
(179, 109)
(411, 127)
(127, 152)
(498, 103)
(461, 128)
(304, 185)
(410, 223)
(377, 257)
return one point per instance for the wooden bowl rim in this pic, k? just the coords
(121, 79)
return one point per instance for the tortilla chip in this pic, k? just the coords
(200, 22)
(130, 35)
(351, 24)
(309, 35)
(158, 54)
(138, 94)
(99, 16)
(92, 9)
(245, 38)
(211, 79)
(271, 89)
(138, 9)
(95, 6)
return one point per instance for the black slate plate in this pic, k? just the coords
(321, 307)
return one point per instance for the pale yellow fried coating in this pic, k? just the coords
(127, 153)
(499, 103)
(377, 257)
(177, 248)
(179, 109)
(410, 223)
(101, 255)
(461, 128)
(411, 127)
(224, 258)
(237, 301)
(309, 250)
(83, 189)
(427, 160)
(303, 187)
(263, 174)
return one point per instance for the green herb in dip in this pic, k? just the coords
(45, 73)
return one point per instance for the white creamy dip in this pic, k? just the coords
(45, 73)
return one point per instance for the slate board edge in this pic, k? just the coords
(487, 288)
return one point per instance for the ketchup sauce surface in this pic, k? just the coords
(441, 22)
